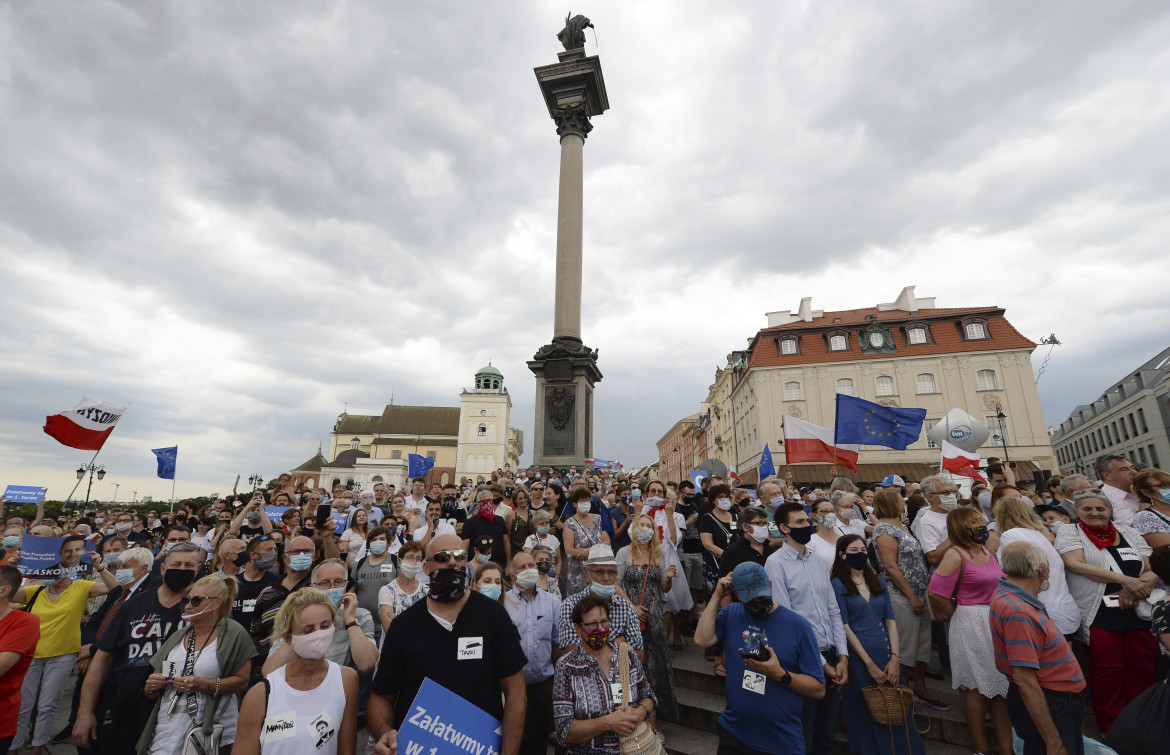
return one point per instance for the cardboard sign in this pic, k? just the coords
(24, 494)
(41, 557)
(441, 722)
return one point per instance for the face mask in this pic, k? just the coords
(508, 492)
(449, 501)
(267, 561)
(399, 530)
(847, 515)
(758, 608)
(254, 519)
(624, 499)
(637, 494)
(597, 638)
(759, 532)
(1166, 495)
(654, 501)
(152, 521)
(409, 568)
(49, 581)
(123, 526)
(604, 591)
(11, 541)
(948, 502)
(110, 531)
(178, 580)
(857, 560)
(448, 584)
(241, 559)
(828, 521)
(312, 646)
(527, 579)
(542, 530)
(775, 502)
(583, 507)
(300, 562)
(335, 594)
(981, 535)
(189, 616)
(1053, 527)
(483, 558)
(378, 547)
(800, 534)
(124, 576)
(544, 567)
(723, 503)
(100, 520)
(643, 534)
(1044, 586)
(490, 591)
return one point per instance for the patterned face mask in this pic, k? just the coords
(597, 638)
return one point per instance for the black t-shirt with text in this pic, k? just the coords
(245, 603)
(481, 648)
(137, 632)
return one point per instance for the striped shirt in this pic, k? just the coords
(1024, 635)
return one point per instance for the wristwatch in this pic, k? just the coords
(351, 625)
(786, 679)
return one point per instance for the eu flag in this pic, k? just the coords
(860, 421)
(767, 468)
(166, 461)
(418, 466)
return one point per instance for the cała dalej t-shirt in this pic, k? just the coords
(141, 626)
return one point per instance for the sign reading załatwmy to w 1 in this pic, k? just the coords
(24, 494)
(442, 723)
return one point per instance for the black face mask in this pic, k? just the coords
(448, 585)
(801, 535)
(178, 580)
(857, 560)
(449, 500)
(241, 559)
(758, 608)
(543, 566)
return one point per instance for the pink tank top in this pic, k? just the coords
(979, 581)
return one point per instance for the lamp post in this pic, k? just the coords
(255, 481)
(1000, 417)
(116, 486)
(91, 468)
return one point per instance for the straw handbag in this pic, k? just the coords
(643, 741)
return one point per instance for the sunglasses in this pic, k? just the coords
(443, 557)
(196, 600)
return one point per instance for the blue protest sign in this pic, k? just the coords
(441, 722)
(697, 476)
(276, 512)
(24, 494)
(341, 519)
(46, 557)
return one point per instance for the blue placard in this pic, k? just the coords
(276, 512)
(341, 519)
(697, 476)
(24, 494)
(441, 722)
(41, 557)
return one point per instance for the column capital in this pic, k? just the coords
(572, 119)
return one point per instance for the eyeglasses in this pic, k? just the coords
(591, 625)
(443, 557)
(196, 600)
(298, 552)
(331, 583)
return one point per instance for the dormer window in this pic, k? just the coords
(838, 342)
(974, 329)
(789, 346)
(916, 336)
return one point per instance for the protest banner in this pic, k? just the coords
(341, 519)
(441, 722)
(276, 512)
(44, 557)
(24, 494)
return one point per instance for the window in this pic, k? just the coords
(885, 386)
(788, 346)
(1153, 457)
(1142, 422)
(916, 336)
(976, 331)
(792, 391)
(845, 385)
(838, 343)
(431, 455)
(395, 454)
(986, 380)
(376, 479)
(1142, 455)
(927, 427)
(924, 383)
(482, 430)
(354, 444)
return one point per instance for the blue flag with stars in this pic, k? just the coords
(767, 468)
(418, 465)
(860, 421)
(166, 461)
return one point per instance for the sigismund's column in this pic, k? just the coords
(566, 369)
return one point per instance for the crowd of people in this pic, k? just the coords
(555, 602)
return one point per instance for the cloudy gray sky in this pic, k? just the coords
(240, 216)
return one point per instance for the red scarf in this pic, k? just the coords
(487, 511)
(1098, 537)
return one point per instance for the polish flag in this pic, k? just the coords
(85, 426)
(962, 463)
(734, 475)
(805, 443)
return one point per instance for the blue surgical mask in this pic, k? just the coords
(49, 581)
(378, 547)
(1165, 499)
(335, 594)
(11, 541)
(543, 530)
(490, 591)
(604, 591)
(300, 562)
(124, 576)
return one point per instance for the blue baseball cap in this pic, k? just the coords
(750, 582)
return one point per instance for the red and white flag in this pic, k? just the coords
(734, 475)
(805, 443)
(960, 462)
(85, 426)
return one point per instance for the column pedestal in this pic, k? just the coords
(566, 371)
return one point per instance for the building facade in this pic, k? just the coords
(1131, 419)
(472, 439)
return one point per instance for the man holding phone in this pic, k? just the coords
(258, 522)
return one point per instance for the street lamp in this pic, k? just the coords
(91, 468)
(116, 486)
(255, 480)
(1000, 417)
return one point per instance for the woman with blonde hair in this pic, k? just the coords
(198, 673)
(489, 581)
(645, 578)
(1017, 521)
(1152, 488)
(308, 704)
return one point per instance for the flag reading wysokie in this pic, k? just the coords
(85, 426)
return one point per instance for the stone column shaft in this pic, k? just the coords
(567, 315)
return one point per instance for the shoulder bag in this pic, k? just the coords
(643, 741)
(942, 608)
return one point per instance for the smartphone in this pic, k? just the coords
(324, 512)
(1111, 601)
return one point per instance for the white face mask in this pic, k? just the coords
(527, 579)
(409, 568)
(643, 534)
(312, 646)
(828, 521)
(723, 503)
(948, 502)
(759, 532)
(583, 507)
(846, 514)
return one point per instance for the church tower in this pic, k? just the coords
(487, 441)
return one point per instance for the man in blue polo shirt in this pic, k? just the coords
(765, 699)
